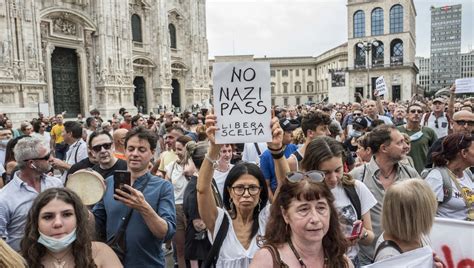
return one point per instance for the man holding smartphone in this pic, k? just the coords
(153, 219)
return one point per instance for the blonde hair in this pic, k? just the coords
(409, 208)
(298, 136)
(9, 257)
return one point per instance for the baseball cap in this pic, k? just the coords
(286, 125)
(361, 121)
(439, 99)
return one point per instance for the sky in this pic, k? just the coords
(287, 28)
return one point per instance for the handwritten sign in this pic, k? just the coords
(380, 87)
(465, 85)
(452, 242)
(242, 102)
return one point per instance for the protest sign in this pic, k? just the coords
(242, 102)
(465, 85)
(419, 258)
(452, 240)
(380, 87)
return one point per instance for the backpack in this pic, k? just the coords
(354, 198)
(427, 115)
(387, 244)
(447, 186)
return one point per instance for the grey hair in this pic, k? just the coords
(28, 148)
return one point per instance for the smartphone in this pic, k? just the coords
(356, 230)
(121, 177)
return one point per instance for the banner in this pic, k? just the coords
(453, 242)
(464, 85)
(242, 102)
(418, 258)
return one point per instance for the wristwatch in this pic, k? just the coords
(366, 234)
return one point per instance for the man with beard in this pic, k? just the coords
(102, 149)
(399, 116)
(32, 155)
(384, 169)
(421, 137)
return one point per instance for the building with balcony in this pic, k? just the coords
(76, 55)
(381, 42)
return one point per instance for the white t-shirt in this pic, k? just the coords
(232, 253)
(455, 208)
(442, 123)
(389, 252)
(220, 177)
(179, 181)
(250, 153)
(347, 212)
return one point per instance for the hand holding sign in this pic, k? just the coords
(277, 135)
(380, 87)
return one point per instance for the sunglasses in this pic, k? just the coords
(357, 114)
(312, 175)
(240, 189)
(436, 123)
(416, 111)
(98, 148)
(464, 122)
(45, 158)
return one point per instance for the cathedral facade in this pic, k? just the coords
(76, 55)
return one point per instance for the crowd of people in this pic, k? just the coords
(339, 185)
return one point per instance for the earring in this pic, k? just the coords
(231, 205)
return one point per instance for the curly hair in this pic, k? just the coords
(33, 251)
(277, 233)
(298, 136)
(312, 120)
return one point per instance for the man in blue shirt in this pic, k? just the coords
(266, 160)
(153, 219)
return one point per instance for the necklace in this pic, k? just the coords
(59, 262)
(300, 260)
(388, 176)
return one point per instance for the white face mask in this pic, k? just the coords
(57, 245)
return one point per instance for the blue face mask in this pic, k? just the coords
(57, 245)
(356, 133)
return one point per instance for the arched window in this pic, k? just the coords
(396, 52)
(172, 29)
(377, 54)
(359, 24)
(359, 60)
(396, 19)
(310, 87)
(377, 21)
(136, 28)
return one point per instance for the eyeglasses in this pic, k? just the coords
(357, 114)
(176, 122)
(464, 122)
(98, 148)
(45, 158)
(312, 175)
(416, 111)
(240, 189)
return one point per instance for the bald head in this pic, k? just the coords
(463, 122)
(119, 138)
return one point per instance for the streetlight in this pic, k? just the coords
(367, 47)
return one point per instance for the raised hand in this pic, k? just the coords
(277, 135)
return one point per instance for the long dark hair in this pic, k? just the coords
(452, 145)
(277, 233)
(234, 174)
(33, 251)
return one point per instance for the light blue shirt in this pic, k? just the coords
(16, 199)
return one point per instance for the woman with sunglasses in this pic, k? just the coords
(303, 229)
(451, 180)
(56, 234)
(245, 198)
(324, 155)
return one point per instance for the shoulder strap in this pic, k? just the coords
(363, 174)
(469, 173)
(257, 148)
(447, 186)
(387, 244)
(213, 254)
(425, 118)
(354, 198)
(277, 261)
(298, 156)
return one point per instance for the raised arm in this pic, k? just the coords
(206, 204)
(278, 153)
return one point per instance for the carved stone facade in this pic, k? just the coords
(102, 54)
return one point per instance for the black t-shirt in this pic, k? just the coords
(119, 165)
(83, 164)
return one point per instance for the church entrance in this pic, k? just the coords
(64, 67)
(139, 96)
(175, 98)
